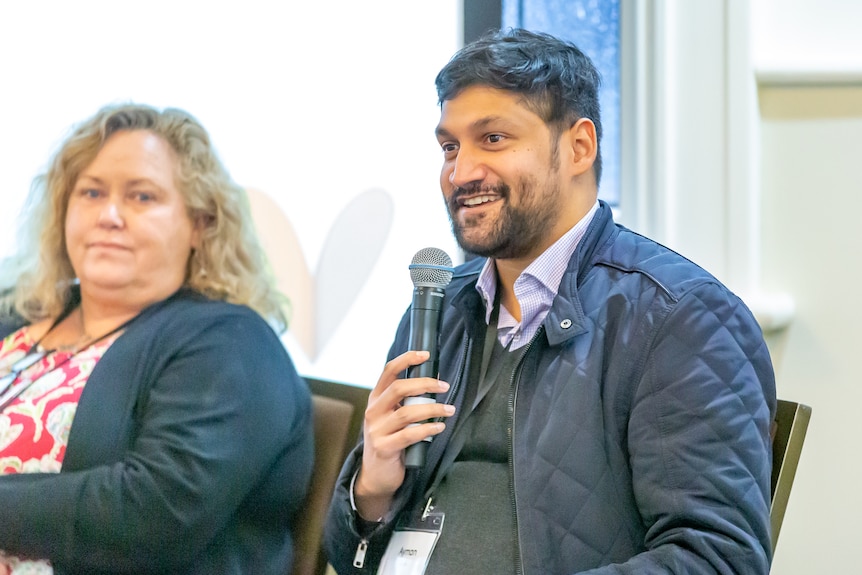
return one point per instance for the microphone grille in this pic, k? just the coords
(431, 267)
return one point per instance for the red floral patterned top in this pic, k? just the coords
(34, 427)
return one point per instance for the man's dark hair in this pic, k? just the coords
(557, 81)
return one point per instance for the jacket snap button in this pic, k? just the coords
(566, 324)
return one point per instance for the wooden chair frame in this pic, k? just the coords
(339, 410)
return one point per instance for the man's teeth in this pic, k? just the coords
(469, 202)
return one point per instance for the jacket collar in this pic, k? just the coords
(566, 317)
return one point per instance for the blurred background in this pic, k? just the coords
(733, 136)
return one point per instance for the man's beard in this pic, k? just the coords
(517, 229)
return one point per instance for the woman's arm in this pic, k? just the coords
(223, 412)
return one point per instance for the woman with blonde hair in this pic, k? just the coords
(151, 420)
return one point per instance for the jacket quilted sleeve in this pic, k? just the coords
(698, 441)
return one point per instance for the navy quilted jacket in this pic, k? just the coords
(641, 420)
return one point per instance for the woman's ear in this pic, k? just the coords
(199, 224)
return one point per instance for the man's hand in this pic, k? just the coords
(388, 431)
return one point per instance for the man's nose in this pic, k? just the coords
(468, 167)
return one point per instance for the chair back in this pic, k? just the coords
(331, 421)
(791, 424)
(339, 410)
(352, 394)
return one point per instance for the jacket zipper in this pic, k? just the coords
(513, 394)
(361, 550)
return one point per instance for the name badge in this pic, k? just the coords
(412, 543)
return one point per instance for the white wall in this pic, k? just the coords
(808, 59)
(754, 121)
(311, 103)
(795, 37)
(812, 247)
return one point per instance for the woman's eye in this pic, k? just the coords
(90, 193)
(143, 196)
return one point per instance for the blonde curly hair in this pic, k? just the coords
(229, 264)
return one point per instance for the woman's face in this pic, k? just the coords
(128, 233)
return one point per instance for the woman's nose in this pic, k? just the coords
(110, 215)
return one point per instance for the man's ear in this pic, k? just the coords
(583, 143)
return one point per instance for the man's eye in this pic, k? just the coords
(448, 148)
(495, 138)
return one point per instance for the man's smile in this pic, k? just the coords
(477, 200)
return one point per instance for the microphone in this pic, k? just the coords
(431, 271)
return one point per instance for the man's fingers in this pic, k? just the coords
(405, 426)
(393, 369)
(396, 442)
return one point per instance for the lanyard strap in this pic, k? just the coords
(34, 354)
(8, 393)
(459, 435)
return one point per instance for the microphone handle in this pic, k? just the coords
(425, 317)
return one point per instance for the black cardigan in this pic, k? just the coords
(190, 452)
